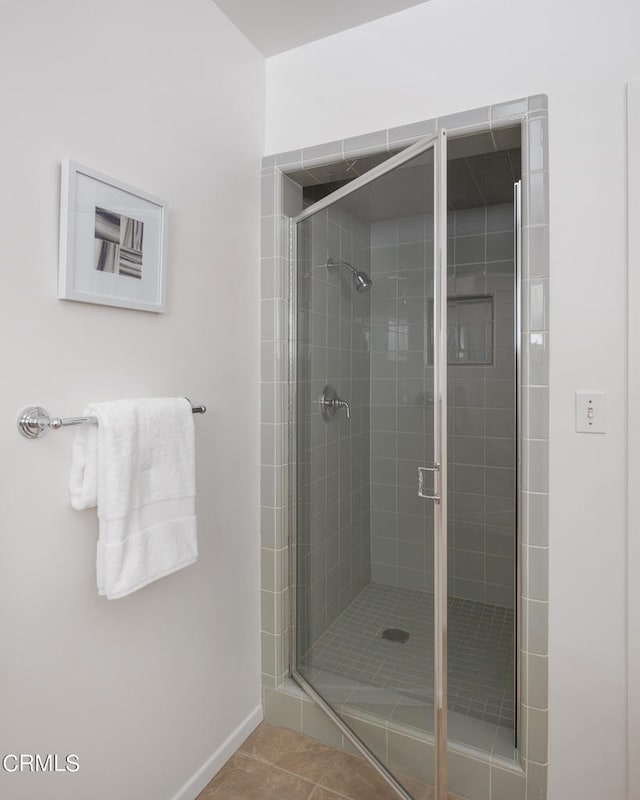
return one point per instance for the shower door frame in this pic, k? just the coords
(438, 144)
(283, 702)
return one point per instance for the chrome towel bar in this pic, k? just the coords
(35, 421)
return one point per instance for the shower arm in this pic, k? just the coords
(331, 264)
(361, 280)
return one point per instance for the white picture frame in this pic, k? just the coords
(113, 242)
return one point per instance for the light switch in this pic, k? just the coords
(590, 412)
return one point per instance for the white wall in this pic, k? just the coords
(168, 97)
(451, 55)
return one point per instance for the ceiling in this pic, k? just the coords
(278, 25)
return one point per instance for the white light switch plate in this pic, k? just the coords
(590, 417)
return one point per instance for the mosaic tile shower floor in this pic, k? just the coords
(480, 653)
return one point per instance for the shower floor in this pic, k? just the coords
(480, 652)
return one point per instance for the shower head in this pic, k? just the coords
(361, 280)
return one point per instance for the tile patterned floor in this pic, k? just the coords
(480, 653)
(277, 764)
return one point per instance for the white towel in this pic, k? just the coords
(137, 465)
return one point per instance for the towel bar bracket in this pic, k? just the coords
(34, 421)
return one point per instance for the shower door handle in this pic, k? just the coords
(421, 471)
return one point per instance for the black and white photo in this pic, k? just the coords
(118, 243)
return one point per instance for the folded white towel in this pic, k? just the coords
(137, 465)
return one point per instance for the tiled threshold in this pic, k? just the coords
(278, 764)
(473, 772)
(383, 708)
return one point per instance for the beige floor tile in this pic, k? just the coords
(291, 751)
(352, 777)
(278, 764)
(325, 794)
(245, 778)
(419, 790)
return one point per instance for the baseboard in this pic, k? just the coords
(218, 759)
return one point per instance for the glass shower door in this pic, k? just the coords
(368, 364)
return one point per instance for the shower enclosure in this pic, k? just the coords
(404, 448)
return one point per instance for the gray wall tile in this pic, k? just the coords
(537, 145)
(538, 198)
(538, 102)
(337, 328)
(282, 708)
(511, 109)
(292, 158)
(330, 151)
(469, 777)
(369, 142)
(464, 119)
(536, 734)
(482, 451)
(409, 755)
(507, 785)
(537, 623)
(536, 691)
(536, 781)
(536, 521)
(536, 245)
(412, 132)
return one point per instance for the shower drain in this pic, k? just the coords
(395, 635)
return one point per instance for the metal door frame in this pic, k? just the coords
(437, 143)
(517, 355)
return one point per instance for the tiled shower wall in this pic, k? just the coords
(401, 401)
(333, 456)
(481, 405)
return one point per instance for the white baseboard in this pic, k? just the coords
(217, 760)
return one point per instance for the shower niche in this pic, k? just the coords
(405, 530)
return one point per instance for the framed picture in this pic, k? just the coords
(112, 242)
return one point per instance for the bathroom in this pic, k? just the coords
(156, 692)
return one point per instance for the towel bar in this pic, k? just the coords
(35, 421)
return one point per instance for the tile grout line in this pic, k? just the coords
(278, 768)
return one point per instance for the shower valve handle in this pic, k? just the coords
(330, 403)
(338, 403)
